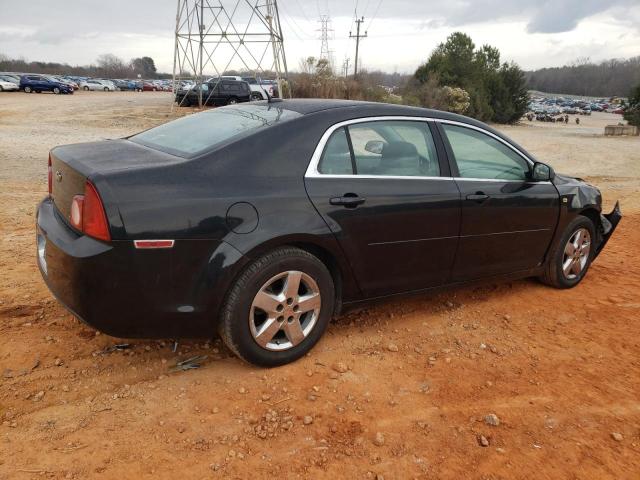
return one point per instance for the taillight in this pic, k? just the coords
(50, 176)
(77, 207)
(87, 214)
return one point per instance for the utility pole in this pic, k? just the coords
(357, 36)
(345, 66)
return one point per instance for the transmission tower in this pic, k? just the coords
(325, 53)
(214, 36)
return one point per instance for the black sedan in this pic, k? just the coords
(261, 221)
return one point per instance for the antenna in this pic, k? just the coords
(214, 36)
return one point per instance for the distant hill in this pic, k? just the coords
(605, 79)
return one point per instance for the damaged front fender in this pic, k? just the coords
(609, 222)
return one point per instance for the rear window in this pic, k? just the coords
(195, 134)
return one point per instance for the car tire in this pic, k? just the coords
(255, 97)
(232, 101)
(86, 89)
(27, 90)
(242, 322)
(106, 89)
(56, 90)
(1, 89)
(567, 265)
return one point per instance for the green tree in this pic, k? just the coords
(632, 112)
(145, 66)
(497, 92)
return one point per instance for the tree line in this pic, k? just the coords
(583, 77)
(106, 65)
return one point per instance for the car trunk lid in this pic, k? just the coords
(72, 165)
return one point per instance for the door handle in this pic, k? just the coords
(348, 200)
(478, 197)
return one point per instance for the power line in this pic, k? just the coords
(374, 14)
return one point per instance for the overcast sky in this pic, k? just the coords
(401, 33)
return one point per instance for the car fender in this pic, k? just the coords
(304, 229)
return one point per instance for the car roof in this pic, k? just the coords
(352, 109)
(306, 106)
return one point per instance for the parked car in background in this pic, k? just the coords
(10, 78)
(95, 85)
(42, 83)
(71, 83)
(281, 213)
(125, 85)
(271, 86)
(6, 86)
(215, 92)
(258, 90)
(145, 86)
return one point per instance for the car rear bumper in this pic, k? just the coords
(609, 223)
(126, 292)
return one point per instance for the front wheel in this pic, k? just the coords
(86, 89)
(571, 257)
(279, 308)
(27, 90)
(256, 97)
(232, 101)
(56, 90)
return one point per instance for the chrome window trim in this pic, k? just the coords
(312, 169)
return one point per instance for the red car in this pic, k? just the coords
(619, 111)
(147, 87)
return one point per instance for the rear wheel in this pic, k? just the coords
(279, 308)
(27, 90)
(255, 97)
(56, 90)
(571, 257)
(106, 89)
(232, 101)
(86, 89)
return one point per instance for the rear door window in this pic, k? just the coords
(336, 158)
(394, 148)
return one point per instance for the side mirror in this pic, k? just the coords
(542, 172)
(374, 146)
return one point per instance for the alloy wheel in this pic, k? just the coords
(285, 310)
(576, 254)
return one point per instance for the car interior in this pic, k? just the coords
(386, 148)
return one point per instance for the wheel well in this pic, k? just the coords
(593, 215)
(332, 265)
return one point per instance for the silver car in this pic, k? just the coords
(97, 85)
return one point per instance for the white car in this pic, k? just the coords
(8, 86)
(97, 85)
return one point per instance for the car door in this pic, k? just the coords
(35, 82)
(387, 195)
(507, 219)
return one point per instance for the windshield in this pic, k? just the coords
(192, 135)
